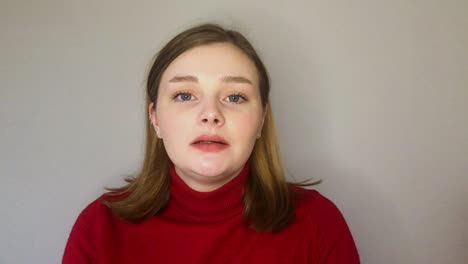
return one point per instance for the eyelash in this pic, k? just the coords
(176, 94)
(241, 96)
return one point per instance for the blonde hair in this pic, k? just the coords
(269, 200)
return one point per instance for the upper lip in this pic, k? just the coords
(213, 138)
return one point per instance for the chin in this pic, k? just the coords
(210, 168)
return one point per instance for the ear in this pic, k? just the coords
(152, 114)
(153, 119)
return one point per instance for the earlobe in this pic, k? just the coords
(158, 133)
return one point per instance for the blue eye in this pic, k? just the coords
(183, 96)
(235, 98)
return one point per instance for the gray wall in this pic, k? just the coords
(370, 96)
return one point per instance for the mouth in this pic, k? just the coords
(210, 143)
(210, 139)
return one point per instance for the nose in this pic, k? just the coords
(211, 115)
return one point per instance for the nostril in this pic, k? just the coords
(216, 120)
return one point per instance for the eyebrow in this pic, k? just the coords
(225, 79)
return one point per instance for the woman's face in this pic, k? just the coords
(209, 114)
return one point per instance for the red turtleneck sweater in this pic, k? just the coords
(206, 227)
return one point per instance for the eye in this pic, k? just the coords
(236, 98)
(182, 97)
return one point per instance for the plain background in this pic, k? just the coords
(370, 96)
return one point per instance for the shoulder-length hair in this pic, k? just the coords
(269, 200)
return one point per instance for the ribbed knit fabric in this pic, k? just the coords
(189, 205)
(207, 227)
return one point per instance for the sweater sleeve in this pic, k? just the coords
(79, 247)
(333, 242)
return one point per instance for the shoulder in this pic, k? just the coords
(328, 234)
(93, 214)
(83, 240)
(314, 204)
(318, 214)
(96, 207)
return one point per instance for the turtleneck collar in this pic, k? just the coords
(188, 205)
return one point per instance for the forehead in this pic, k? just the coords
(213, 60)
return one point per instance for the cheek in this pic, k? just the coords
(174, 124)
(176, 130)
(247, 127)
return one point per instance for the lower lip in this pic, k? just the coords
(212, 147)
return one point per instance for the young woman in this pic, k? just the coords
(212, 188)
